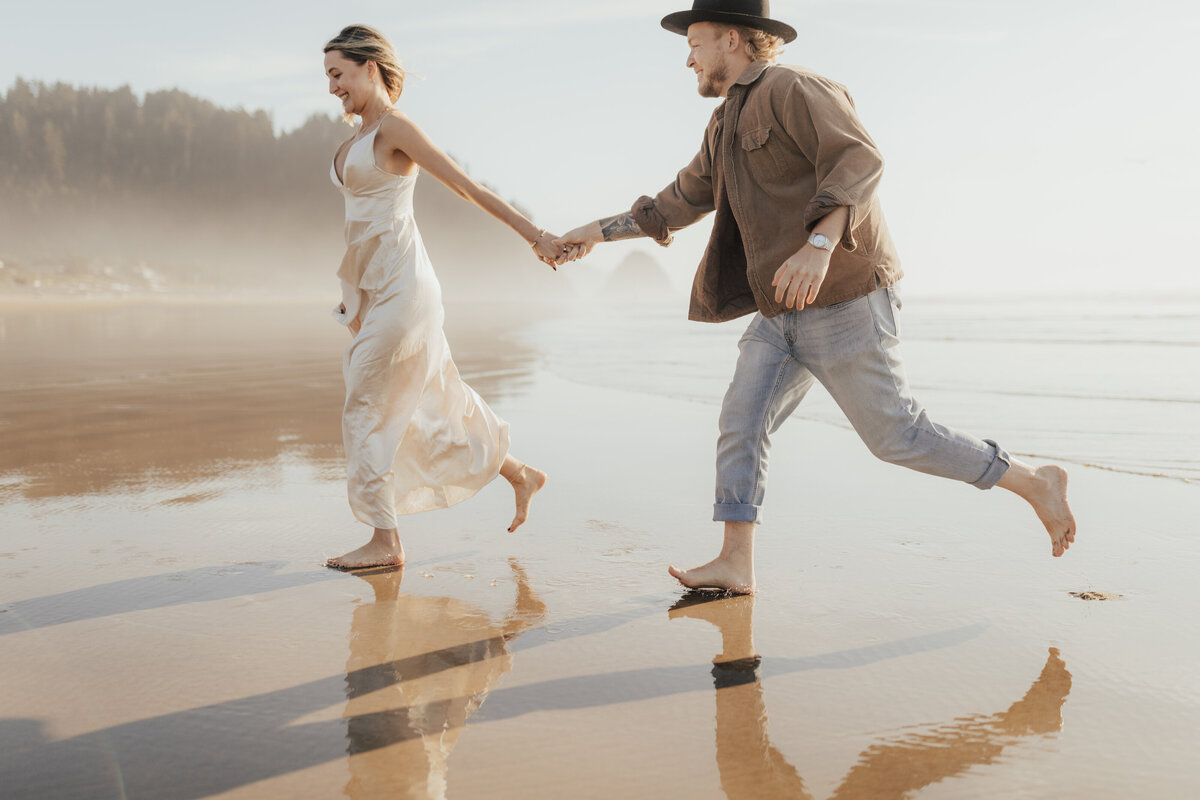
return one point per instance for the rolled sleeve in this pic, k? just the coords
(819, 116)
(652, 223)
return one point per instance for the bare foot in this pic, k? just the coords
(1044, 488)
(1049, 500)
(722, 574)
(526, 483)
(384, 550)
(732, 571)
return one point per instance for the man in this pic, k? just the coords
(800, 241)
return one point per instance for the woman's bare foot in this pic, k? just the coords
(732, 571)
(384, 550)
(526, 482)
(1045, 488)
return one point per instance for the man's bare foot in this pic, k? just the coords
(1045, 488)
(384, 550)
(732, 571)
(1050, 503)
(526, 482)
(721, 574)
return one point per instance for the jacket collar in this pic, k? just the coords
(752, 73)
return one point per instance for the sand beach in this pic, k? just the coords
(171, 482)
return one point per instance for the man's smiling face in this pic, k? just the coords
(708, 57)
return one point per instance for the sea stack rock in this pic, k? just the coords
(639, 276)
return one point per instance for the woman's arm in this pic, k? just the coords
(401, 133)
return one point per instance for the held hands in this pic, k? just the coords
(799, 279)
(557, 250)
(579, 242)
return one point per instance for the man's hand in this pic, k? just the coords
(799, 279)
(580, 241)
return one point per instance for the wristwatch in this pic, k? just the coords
(822, 241)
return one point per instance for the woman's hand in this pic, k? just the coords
(548, 250)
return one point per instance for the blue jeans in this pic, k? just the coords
(853, 349)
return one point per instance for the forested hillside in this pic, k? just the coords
(171, 191)
(59, 141)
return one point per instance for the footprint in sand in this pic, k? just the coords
(1090, 595)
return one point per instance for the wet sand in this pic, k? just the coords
(171, 480)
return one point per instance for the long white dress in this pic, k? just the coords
(417, 438)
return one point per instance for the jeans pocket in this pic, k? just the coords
(897, 303)
(885, 310)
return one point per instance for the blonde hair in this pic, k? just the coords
(760, 45)
(362, 43)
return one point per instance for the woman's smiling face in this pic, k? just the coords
(349, 82)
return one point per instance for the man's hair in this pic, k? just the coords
(760, 45)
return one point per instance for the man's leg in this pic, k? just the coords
(767, 386)
(854, 350)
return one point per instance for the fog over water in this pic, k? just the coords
(1016, 156)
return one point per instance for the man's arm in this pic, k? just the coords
(820, 118)
(799, 279)
(609, 229)
(622, 226)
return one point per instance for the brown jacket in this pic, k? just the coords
(796, 152)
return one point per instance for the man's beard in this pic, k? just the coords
(713, 80)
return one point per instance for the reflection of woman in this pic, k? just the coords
(418, 668)
(751, 767)
(416, 437)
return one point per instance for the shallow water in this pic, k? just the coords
(1108, 382)
(171, 479)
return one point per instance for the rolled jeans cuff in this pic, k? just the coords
(738, 512)
(1001, 461)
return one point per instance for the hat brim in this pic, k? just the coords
(680, 20)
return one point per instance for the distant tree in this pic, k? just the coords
(60, 141)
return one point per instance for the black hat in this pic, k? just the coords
(751, 13)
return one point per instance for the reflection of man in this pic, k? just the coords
(752, 767)
(418, 668)
(800, 239)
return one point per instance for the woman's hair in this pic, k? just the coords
(760, 45)
(362, 43)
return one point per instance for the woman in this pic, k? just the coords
(417, 438)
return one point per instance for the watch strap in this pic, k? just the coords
(828, 246)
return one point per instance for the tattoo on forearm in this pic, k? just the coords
(622, 226)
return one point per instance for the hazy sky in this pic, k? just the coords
(1030, 144)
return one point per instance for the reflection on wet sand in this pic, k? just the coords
(97, 400)
(751, 767)
(418, 668)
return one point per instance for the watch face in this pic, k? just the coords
(820, 240)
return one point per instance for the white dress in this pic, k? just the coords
(417, 438)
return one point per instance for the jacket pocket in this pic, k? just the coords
(760, 156)
(754, 139)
